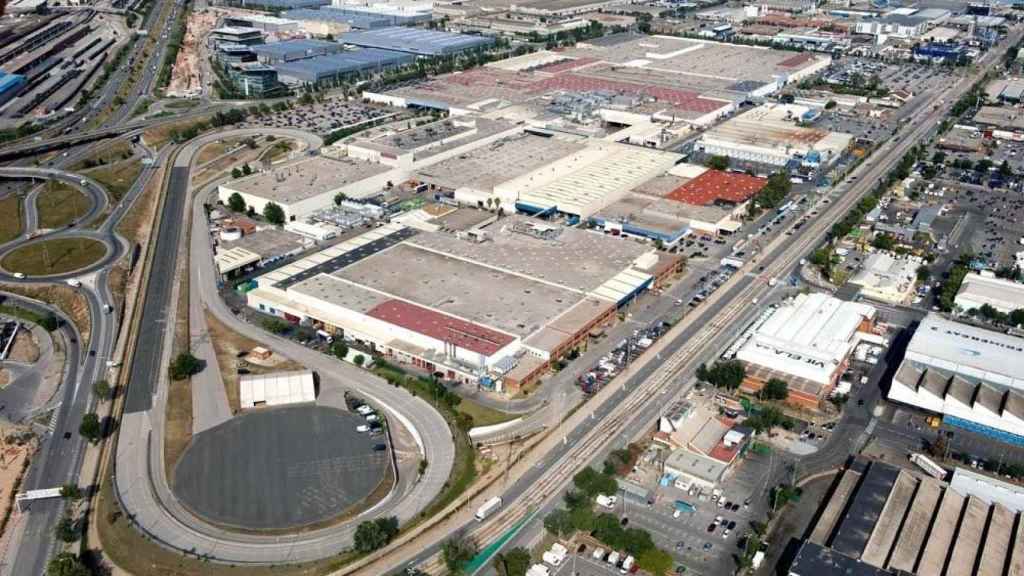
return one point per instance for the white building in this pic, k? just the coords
(807, 342)
(302, 187)
(277, 389)
(771, 134)
(980, 289)
(888, 278)
(972, 376)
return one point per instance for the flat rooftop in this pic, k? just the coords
(717, 185)
(509, 303)
(431, 139)
(415, 40)
(305, 179)
(473, 337)
(774, 126)
(268, 243)
(516, 155)
(963, 349)
(577, 260)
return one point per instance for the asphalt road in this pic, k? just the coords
(141, 481)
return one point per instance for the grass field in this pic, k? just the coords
(116, 151)
(54, 256)
(10, 215)
(482, 415)
(117, 178)
(59, 204)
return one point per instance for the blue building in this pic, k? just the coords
(940, 52)
(335, 66)
(9, 85)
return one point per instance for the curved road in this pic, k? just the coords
(141, 481)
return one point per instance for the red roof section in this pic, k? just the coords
(715, 185)
(797, 60)
(463, 334)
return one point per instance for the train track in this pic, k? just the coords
(560, 474)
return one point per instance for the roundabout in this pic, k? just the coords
(281, 469)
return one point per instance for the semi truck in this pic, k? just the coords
(488, 508)
(928, 465)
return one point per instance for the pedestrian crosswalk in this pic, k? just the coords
(54, 417)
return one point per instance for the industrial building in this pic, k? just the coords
(806, 341)
(335, 21)
(885, 277)
(642, 79)
(234, 36)
(10, 84)
(703, 444)
(334, 66)
(269, 24)
(236, 252)
(277, 389)
(303, 187)
(418, 41)
(904, 23)
(406, 148)
(253, 79)
(285, 4)
(397, 12)
(978, 290)
(770, 134)
(973, 377)
(882, 520)
(289, 50)
(514, 294)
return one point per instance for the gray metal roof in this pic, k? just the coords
(360, 20)
(288, 48)
(319, 67)
(416, 40)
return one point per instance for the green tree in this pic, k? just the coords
(246, 169)
(273, 213)
(559, 523)
(235, 201)
(66, 564)
(375, 534)
(923, 273)
(184, 366)
(66, 529)
(90, 428)
(457, 551)
(339, 198)
(939, 157)
(591, 483)
(339, 349)
(1016, 317)
(775, 389)
(717, 162)
(728, 375)
(884, 242)
(515, 562)
(49, 323)
(1005, 170)
(102, 389)
(70, 491)
(359, 360)
(655, 561)
(236, 173)
(275, 325)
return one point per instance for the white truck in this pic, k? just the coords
(606, 501)
(73, 283)
(488, 508)
(627, 565)
(928, 465)
(613, 558)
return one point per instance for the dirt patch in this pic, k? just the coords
(65, 298)
(10, 215)
(138, 221)
(117, 150)
(16, 457)
(25, 349)
(55, 256)
(229, 345)
(5, 377)
(186, 76)
(178, 427)
(117, 178)
(60, 204)
(214, 150)
(222, 166)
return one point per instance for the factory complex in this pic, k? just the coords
(636, 78)
(882, 520)
(979, 290)
(807, 342)
(492, 305)
(972, 376)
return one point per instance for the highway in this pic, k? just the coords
(140, 477)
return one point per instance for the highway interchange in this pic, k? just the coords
(535, 483)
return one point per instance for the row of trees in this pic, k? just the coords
(272, 211)
(375, 534)
(728, 375)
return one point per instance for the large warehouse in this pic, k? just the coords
(770, 134)
(978, 290)
(418, 41)
(472, 306)
(881, 520)
(806, 342)
(972, 376)
(303, 187)
(332, 66)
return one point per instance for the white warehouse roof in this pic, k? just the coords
(277, 389)
(808, 337)
(971, 352)
(977, 290)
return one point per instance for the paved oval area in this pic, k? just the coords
(279, 468)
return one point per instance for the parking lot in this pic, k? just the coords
(323, 117)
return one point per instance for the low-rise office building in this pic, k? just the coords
(978, 290)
